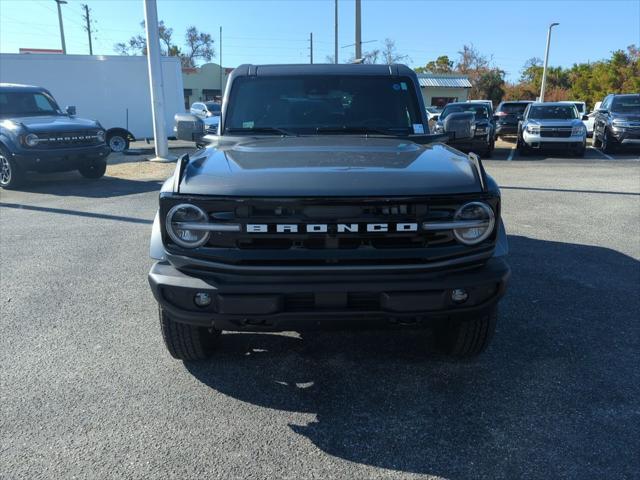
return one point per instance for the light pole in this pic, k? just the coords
(358, 30)
(155, 83)
(64, 45)
(546, 61)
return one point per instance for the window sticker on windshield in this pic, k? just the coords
(247, 124)
(403, 85)
(418, 128)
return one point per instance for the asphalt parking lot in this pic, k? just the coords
(88, 390)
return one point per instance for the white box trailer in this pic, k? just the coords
(112, 89)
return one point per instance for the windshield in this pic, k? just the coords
(213, 107)
(27, 103)
(478, 109)
(626, 104)
(304, 104)
(513, 108)
(553, 112)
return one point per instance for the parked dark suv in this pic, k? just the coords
(617, 122)
(325, 200)
(507, 115)
(36, 135)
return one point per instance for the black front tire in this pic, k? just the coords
(608, 142)
(11, 175)
(187, 342)
(93, 170)
(467, 338)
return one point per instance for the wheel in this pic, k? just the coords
(521, 148)
(94, 169)
(187, 342)
(596, 142)
(489, 151)
(11, 175)
(467, 338)
(118, 142)
(608, 143)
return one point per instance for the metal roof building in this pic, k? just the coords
(438, 89)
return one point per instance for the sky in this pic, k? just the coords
(272, 31)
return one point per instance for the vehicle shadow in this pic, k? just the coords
(554, 396)
(73, 184)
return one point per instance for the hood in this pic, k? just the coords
(54, 123)
(626, 117)
(329, 165)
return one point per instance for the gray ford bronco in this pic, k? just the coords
(322, 200)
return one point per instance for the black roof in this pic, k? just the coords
(322, 69)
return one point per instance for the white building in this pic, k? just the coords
(438, 89)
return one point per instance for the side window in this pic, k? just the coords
(197, 106)
(606, 104)
(42, 103)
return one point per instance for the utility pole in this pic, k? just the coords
(88, 27)
(64, 45)
(546, 62)
(335, 27)
(155, 83)
(311, 47)
(358, 30)
(220, 47)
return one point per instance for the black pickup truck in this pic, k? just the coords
(324, 200)
(36, 135)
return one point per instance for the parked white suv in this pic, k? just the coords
(554, 125)
(209, 112)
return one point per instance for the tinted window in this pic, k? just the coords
(626, 104)
(478, 109)
(513, 108)
(27, 103)
(304, 103)
(553, 112)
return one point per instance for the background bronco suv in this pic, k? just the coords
(35, 134)
(325, 200)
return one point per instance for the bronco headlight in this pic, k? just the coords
(533, 129)
(476, 221)
(186, 225)
(100, 135)
(31, 140)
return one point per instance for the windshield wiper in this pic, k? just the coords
(279, 130)
(365, 130)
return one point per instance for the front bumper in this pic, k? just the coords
(290, 303)
(60, 159)
(537, 141)
(479, 143)
(626, 135)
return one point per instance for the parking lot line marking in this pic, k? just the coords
(511, 154)
(602, 153)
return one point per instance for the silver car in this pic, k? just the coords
(556, 125)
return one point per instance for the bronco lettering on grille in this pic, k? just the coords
(333, 228)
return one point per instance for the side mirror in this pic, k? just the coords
(189, 127)
(459, 126)
(71, 110)
(585, 117)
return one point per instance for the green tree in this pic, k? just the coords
(442, 64)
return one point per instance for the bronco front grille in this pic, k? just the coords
(331, 247)
(67, 139)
